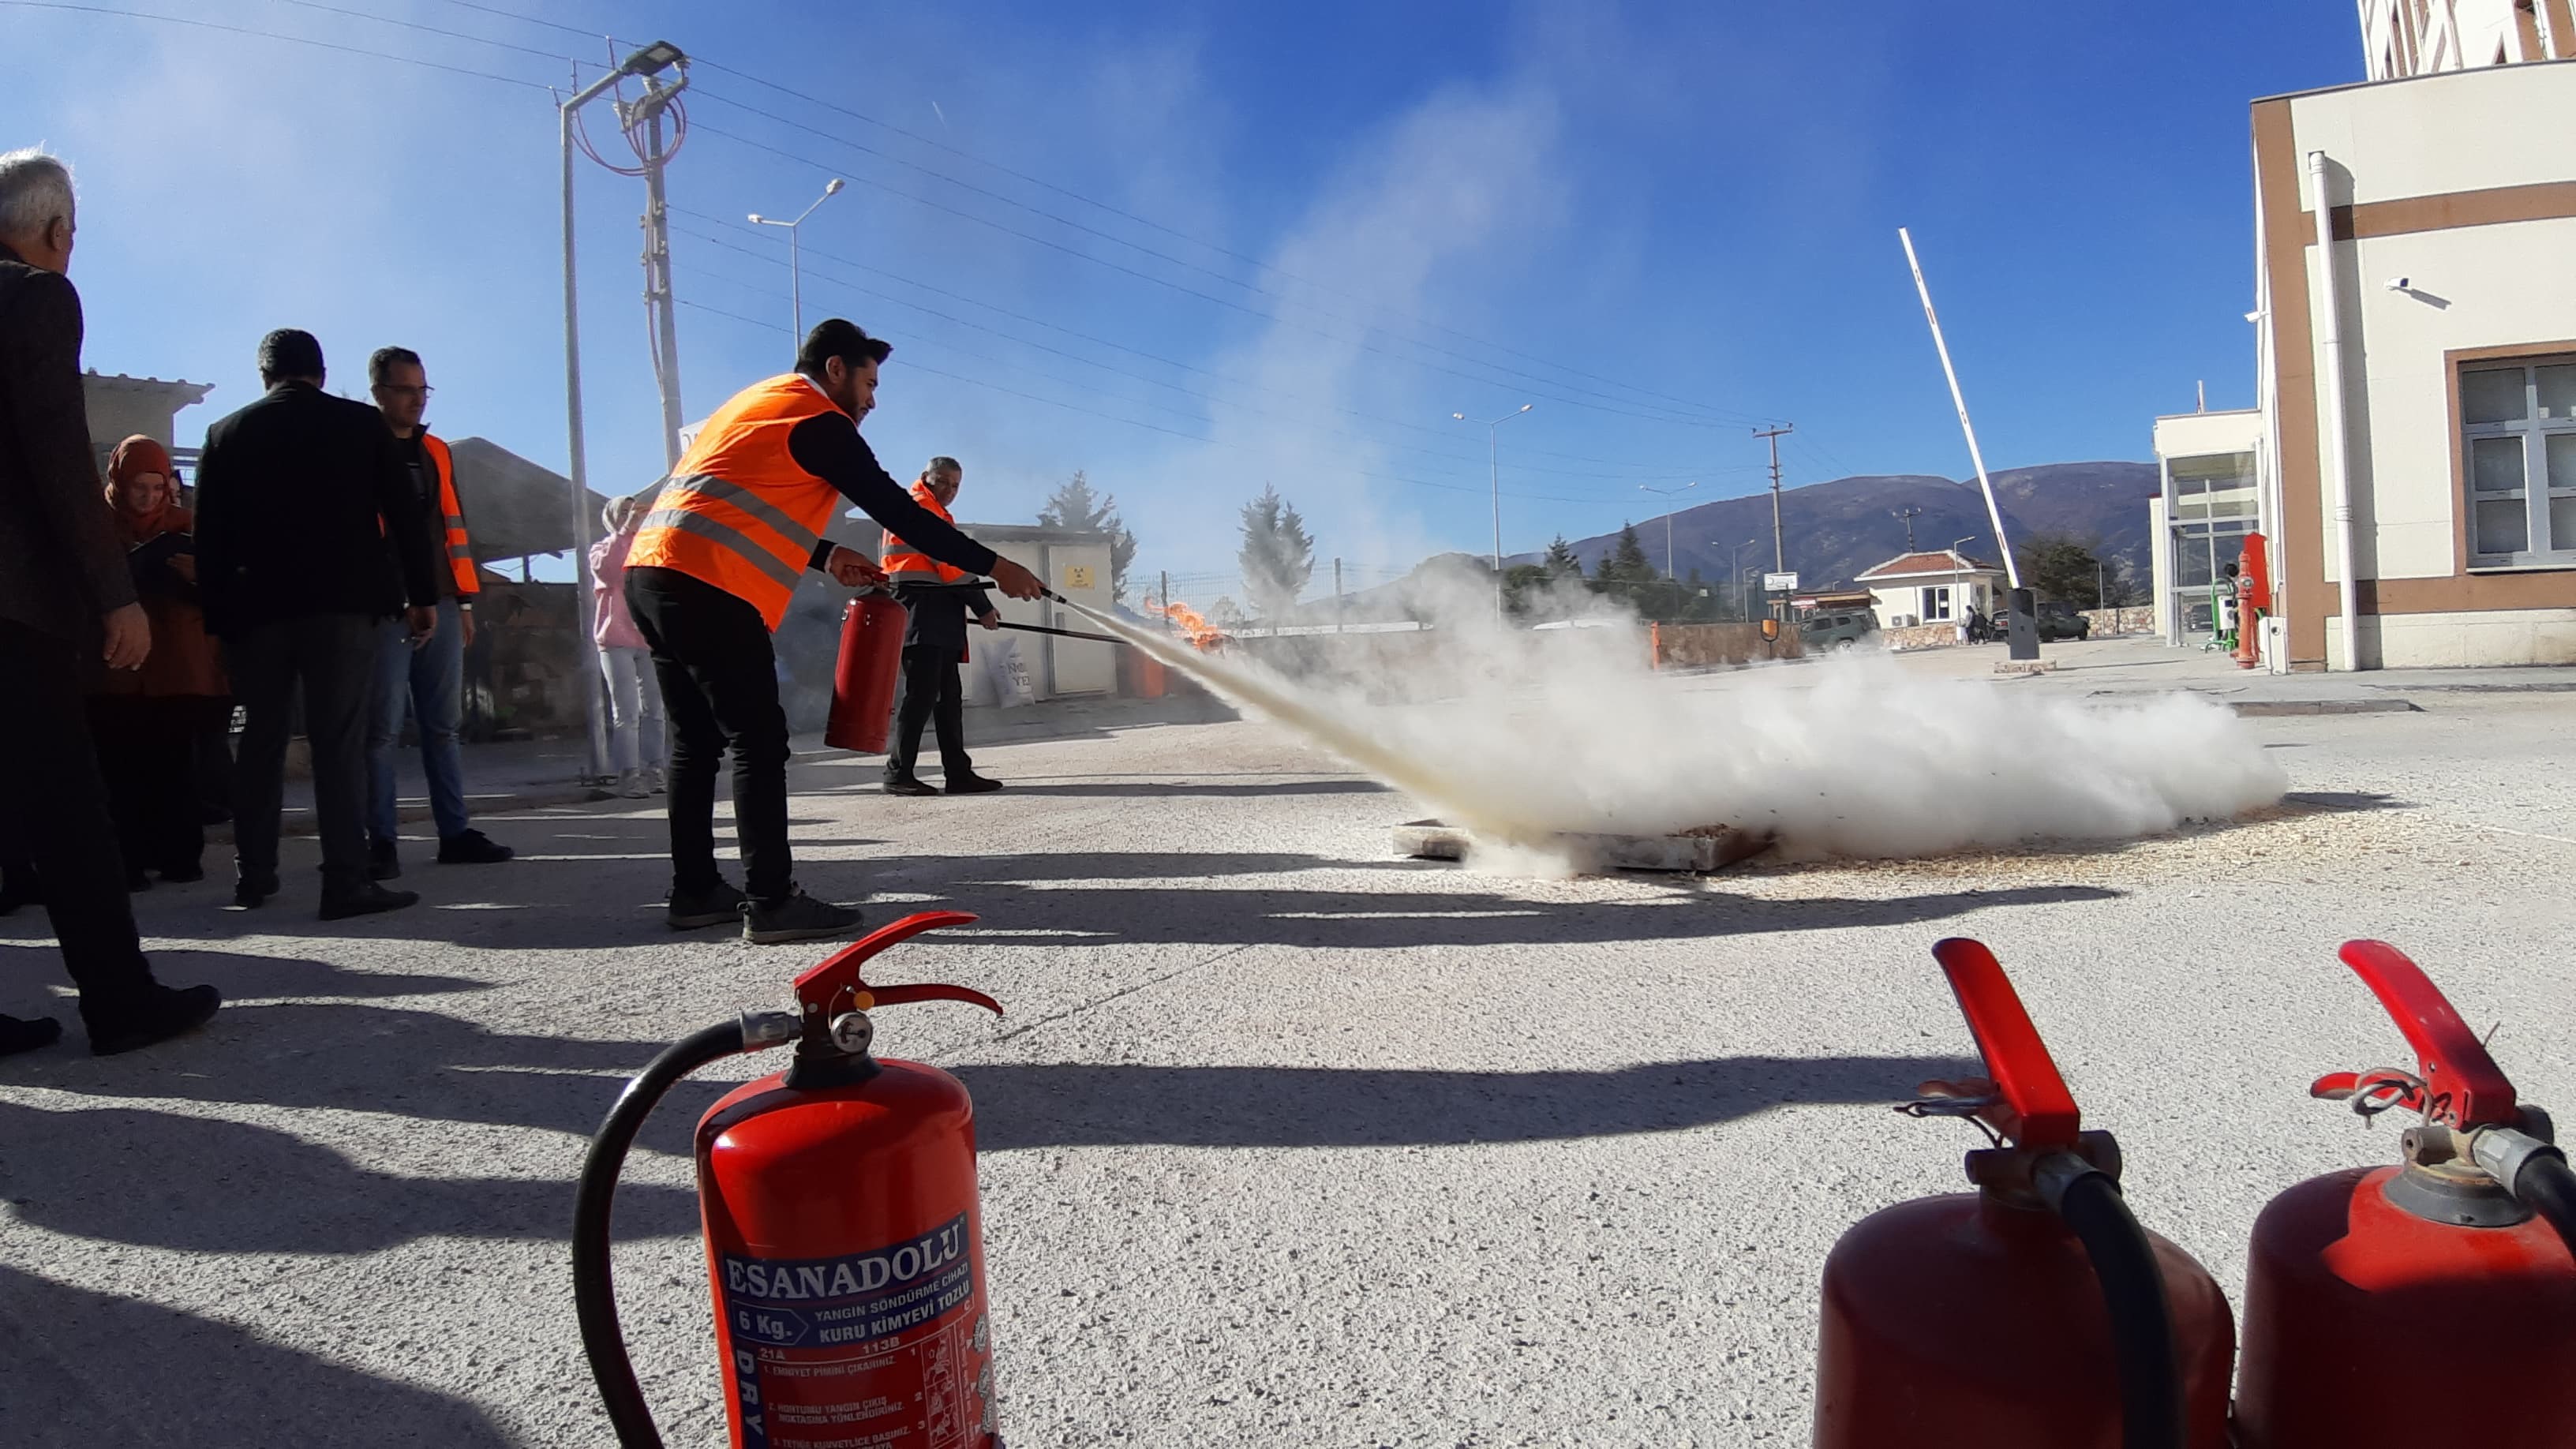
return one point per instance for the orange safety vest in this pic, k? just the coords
(460, 549)
(738, 512)
(905, 564)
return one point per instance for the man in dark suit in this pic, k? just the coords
(296, 497)
(67, 603)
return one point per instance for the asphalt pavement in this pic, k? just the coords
(1286, 1141)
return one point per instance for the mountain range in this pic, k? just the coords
(1832, 532)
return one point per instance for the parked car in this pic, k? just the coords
(2058, 619)
(1832, 633)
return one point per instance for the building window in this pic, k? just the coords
(1936, 603)
(2518, 442)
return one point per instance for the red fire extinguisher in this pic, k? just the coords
(844, 1242)
(2461, 1253)
(863, 678)
(2033, 1311)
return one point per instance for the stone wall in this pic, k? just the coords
(1714, 646)
(2106, 622)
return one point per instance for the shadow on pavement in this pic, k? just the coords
(197, 1184)
(1020, 1106)
(80, 1369)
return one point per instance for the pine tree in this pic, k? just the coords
(1628, 562)
(1278, 554)
(1561, 561)
(1075, 507)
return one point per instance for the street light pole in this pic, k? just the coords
(796, 254)
(1668, 520)
(1494, 466)
(1735, 567)
(651, 60)
(1954, 575)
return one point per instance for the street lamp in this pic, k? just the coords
(1493, 464)
(796, 255)
(1668, 520)
(1735, 570)
(652, 60)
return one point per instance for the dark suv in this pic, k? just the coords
(2058, 619)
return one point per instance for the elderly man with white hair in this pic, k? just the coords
(67, 607)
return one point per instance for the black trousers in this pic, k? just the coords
(333, 656)
(719, 678)
(929, 694)
(147, 749)
(54, 817)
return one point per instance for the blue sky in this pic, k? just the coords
(1195, 248)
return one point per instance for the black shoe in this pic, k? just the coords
(188, 874)
(367, 900)
(384, 860)
(472, 847)
(797, 917)
(252, 892)
(718, 905)
(164, 1014)
(973, 785)
(907, 785)
(17, 1035)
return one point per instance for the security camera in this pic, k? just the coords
(2402, 284)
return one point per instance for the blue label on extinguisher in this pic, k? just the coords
(871, 1348)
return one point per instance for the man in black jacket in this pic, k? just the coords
(938, 601)
(66, 603)
(296, 496)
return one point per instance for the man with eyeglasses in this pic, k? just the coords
(427, 675)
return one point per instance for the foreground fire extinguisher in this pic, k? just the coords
(2428, 1303)
(844, 1241)
(2032, 1312)
(864, 676)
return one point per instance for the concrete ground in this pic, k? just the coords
(1286, 1142)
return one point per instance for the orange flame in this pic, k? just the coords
(1203, 635)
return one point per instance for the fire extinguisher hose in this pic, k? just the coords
(2548, 1185)
(594, 1294)
(2133, 1291)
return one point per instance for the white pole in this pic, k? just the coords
(1494, 466)
(2330, 345)
(585, 668)
(1994, 514)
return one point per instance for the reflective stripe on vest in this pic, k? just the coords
(460, 549)
(738, 513)
(904, 564)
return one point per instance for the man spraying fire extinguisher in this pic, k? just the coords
(938, 599)
(713, 567)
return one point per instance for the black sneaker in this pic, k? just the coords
(796, 917)
(472, 847)
(718, 905)
(20, 1035)
(251, 892)
(164, 1014)
(973, 785)
(367, 900)
(907, 785)
(384, 860)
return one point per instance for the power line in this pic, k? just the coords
(530, 19)
(432, 30)
(217, 25)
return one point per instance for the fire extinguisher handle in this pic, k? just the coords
(2462, 1086)
(2032, 1106)
(833, 984)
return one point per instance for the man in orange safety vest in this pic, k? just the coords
(713, 567)
(939, 600)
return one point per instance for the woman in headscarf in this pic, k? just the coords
(147, 720)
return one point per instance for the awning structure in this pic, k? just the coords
(514, 507)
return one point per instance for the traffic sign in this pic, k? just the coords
(1779, 583)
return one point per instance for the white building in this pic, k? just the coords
(1933, 586)
(2417, 363)
(2420, 37)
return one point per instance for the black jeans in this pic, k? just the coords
(148, 752)
(719, 677)
(929, 694)
(334, 657)
(54, 817)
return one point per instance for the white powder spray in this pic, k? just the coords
(1541, 732)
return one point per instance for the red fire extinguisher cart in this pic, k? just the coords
(844, 1241)
(2033, 1313)
(2428, 1303)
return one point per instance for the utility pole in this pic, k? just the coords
(1909, 515)
(647, 115)
(1779, 544)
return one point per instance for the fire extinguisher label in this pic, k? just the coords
(884, 1349)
